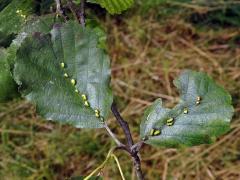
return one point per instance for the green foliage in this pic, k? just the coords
(114, 6)
(13, 16)
(4, 3)
(64, 70)
(35, 24)
(42, 80)
(217, 13)
(5, 41)
(153, 3)
(225, 16)
(96, 27)
(8, 86)
(203, 114)
(146, 5)
(41, 24)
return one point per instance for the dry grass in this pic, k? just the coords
(146, 56)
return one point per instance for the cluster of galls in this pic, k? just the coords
(170, 121)
(84, 96)
(20, 13)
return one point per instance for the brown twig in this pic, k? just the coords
(82, 12)
(77, 11)
(123, 124)
(59, 11)
(133, 149)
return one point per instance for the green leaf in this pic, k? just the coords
(41, 24)
(45, 6)
(4, 3)
(14, 15)
(8, 86)
(194, 122)
(42, 80)
(96, 27)
(114, 6)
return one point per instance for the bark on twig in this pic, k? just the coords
(133, 149)
(77, 11)
(123, 124)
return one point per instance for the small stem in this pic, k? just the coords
(119, 167)
(72, 8)
(59, 10)
(133, 149)
(101, 166)
(58, 7)
(113, 135)
(78, 12)
(136, 147)
(123, 124)
(82, 12)
(137, 166)
(109, 155)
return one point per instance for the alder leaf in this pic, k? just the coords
(13, 16)
(8, 88)
(42, 24)
(203, 113)
(35, 24)
(114, 6)
(42, 62)
(102, 37)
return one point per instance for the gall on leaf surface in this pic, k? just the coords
(203, 113)
(40, 72)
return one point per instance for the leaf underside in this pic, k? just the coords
(114, 6)
(202, 122)
(42, 80)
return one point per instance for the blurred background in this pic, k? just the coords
(149, 45)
